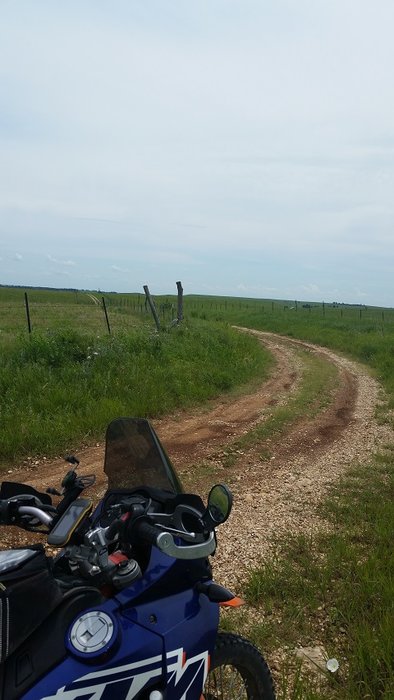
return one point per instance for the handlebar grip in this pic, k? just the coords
(147, 532)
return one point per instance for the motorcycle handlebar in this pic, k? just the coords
(10, 509)
(165, 542)
(43, 517)
(149, 533)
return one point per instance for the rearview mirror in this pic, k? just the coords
(220, 501)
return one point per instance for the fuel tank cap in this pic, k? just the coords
(92, 633)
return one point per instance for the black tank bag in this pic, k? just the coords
(28, 594)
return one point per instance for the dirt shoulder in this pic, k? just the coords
(270, 496)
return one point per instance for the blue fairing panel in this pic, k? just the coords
(137, 664)
(161, 643)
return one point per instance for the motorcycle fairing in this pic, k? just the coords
(165, 643)
(164, 576)
(137, 664)
(185, 679)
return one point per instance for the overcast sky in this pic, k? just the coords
(245, 147)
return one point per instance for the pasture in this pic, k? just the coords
(61, 384)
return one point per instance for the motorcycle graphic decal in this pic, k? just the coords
(183, 673)
(128, 680)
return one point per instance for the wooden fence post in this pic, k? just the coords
(152, 306)
(180, 301)
(106, 316)
(27, 312)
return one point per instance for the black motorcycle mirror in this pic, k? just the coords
(220, 501)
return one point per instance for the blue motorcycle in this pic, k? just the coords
(127, 608)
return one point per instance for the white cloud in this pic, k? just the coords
(67, 263)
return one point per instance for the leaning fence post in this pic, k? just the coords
(180, 301)
(27, 312)
(152, 306)
(106, 316)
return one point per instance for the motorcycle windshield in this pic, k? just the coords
(134, 457)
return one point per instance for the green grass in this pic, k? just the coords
(364, 333)
(337, 587)
(62, 387)
(73, 310)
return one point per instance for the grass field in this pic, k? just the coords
(63, 383)
(365, 333)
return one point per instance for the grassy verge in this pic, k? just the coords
(61, 388)
(335, 589)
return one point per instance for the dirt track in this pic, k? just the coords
(270, 497)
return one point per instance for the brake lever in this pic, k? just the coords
(191, 536)
(165, 542)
